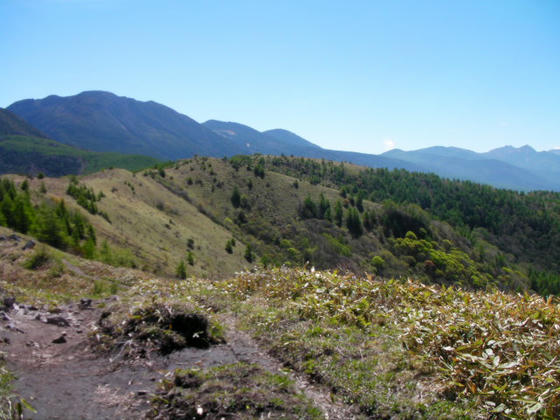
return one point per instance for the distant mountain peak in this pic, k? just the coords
(512, 149)
(102, 121)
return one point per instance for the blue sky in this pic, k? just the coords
(349, 75)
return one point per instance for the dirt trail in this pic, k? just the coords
(67, 380)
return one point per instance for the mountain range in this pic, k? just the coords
(25, 150)
(104, 122)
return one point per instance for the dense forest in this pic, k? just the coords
(526, 225)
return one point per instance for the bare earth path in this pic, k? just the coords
(67, 380)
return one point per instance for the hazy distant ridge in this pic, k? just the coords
(102, 121)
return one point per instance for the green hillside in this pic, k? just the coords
(289, 214)
(33, 155)
(386, 309)
(273, 211)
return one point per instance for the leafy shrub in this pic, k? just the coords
(38, 259)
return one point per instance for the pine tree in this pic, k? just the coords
(354, 223)
(181, 270)
(338, 213)
(249, 256)
(236, 198)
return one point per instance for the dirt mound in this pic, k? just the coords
(167, 328)
(245, 389)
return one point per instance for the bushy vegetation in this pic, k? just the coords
(379, 343)
(86, 197)
(526, 225)
(50, 222)
(245, 389)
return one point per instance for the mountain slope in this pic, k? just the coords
(278, 142)
(248, 138)
(11, 124)
(289, 139)
(545, 164)
(102, 121)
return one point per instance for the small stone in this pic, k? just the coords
(58, 320)
(40, 317)
(29, 245)
(5, 340)
(4, 316)
(141, 392)
(3, 238)
(85, 303)
(14, 237)
(11, 326)
(60, 340)
(9, 302)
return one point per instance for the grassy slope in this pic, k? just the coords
(274, 225)
(395, 349)
(45, 152)
(155, 213)
(153, 223)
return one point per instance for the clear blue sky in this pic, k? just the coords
(348, 75)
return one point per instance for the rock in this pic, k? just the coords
(58, 320)
(85, 303)
(41, 317)
(9, 302)
(60, 340)
(3, 238)
(11, 326)
(5, 340)
(4, 316)
(29, 245)
(14, 237)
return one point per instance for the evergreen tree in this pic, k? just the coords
(249, 256)
(309, 208)
(324, 205)
(181, 270)
(338, 213)
(236, 198)
(354, 223)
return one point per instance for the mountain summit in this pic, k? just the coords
(103, 121)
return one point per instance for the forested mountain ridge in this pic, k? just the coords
(102, 121)
(525, 224)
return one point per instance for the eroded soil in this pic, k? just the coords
(62, 377)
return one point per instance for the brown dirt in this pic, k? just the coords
(70, 381)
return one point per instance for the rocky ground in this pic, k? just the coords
(62, 374)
